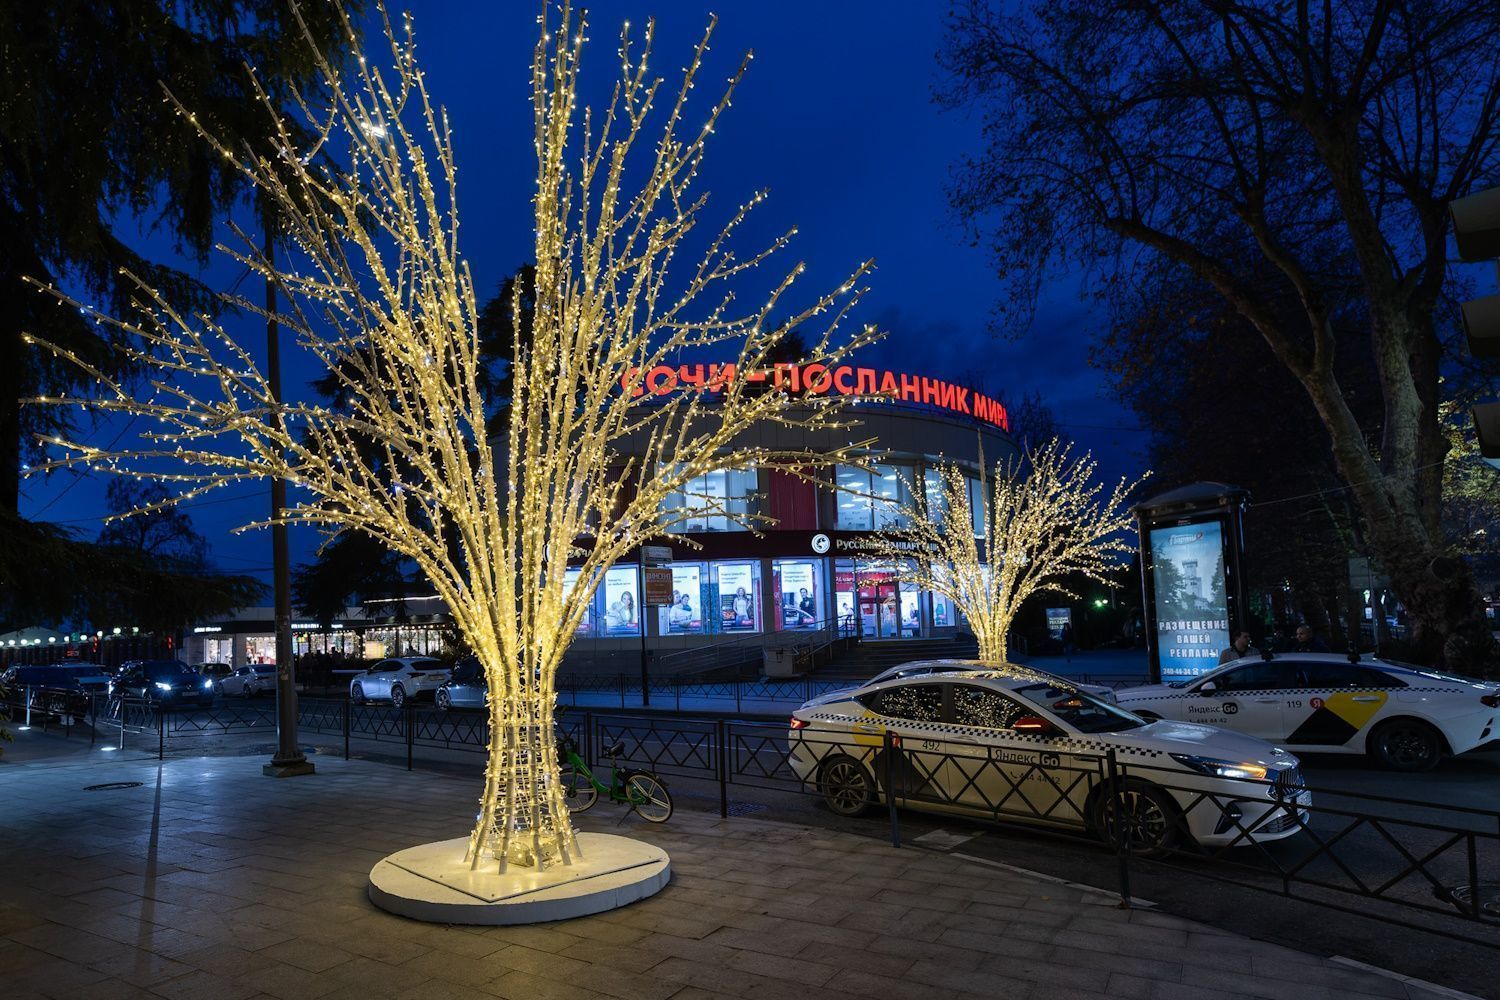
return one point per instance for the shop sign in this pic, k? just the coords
(820, 380)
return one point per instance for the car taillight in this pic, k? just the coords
(797, 723)
(1491, 700)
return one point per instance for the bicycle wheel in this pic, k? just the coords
(649, 798)
(578, 791)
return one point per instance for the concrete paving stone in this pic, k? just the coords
(539, 937)
(845, 959)
(468, 970)
(519, 958)
(698, 993)
(109, 989)
(628, 957)
(1277, 989)
(1113, 924)
(988, 941)
(918, 950)
(869, 984)
(745, 984)
(1036, 970)
(140, 968)
(1162, 966)
(1124, 986)
(287, 982)
(797, 970)
(597, 932)
(621, 984)
(524, 986)
(54, 979)
(314, 957)
(200, 984)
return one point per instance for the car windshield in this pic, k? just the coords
(1080, 709)
(167, 670)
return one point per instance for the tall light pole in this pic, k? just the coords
(289, 759)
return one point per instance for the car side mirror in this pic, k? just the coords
(1209, 687)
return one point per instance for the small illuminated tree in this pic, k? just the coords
(380, 295)
(1046, 518)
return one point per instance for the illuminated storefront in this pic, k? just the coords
(811, 569)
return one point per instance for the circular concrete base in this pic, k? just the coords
(432, 882)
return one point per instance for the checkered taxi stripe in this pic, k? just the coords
(1074, 744)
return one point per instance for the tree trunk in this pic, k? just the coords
(523, 818)
(1437, 588)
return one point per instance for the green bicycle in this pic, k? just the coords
(642, 791)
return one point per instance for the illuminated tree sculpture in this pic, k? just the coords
(380, 295)
(1046, 519)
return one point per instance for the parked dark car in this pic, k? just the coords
(466, 688)
(170, 682)
(59, 689)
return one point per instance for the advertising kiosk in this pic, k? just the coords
(1192, 547)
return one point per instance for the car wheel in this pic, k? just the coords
(248, 691)
(357, 694)
(846, 786)
(398, 696)
(442, 700)
(1152, 819)
(1406, 745)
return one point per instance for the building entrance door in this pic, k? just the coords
(878, 612)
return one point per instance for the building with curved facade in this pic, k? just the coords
(812, 569)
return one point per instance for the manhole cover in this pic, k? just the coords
(268, 749)
(1462, 896)
(108, 785)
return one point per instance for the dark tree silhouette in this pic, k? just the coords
(1278, 153)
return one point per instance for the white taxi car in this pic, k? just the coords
(1405, 717)
(1008, 742)
(398, 679)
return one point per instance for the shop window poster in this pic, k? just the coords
(799, 601)
(685, 613)
(621, 601)
(737, 597)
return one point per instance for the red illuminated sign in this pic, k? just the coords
(820, 380)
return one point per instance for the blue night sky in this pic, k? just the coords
(835, 117)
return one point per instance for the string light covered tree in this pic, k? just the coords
(1046, 518)
(380, 294)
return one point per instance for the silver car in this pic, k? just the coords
(397, 679)
(248, 681)
(466, 689)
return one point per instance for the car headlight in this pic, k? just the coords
(163, 686)
(208, 685)
(1215, 768)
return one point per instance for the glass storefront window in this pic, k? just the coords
(260, 649)
(218, 650)
(713, 501)
(799, 588)
(978, 504)
(869, 500)
(932, 486)
(855, 509)
(738, 585)
(622, 601)
(684, 616)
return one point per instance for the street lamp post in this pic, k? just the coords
(289, 760)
